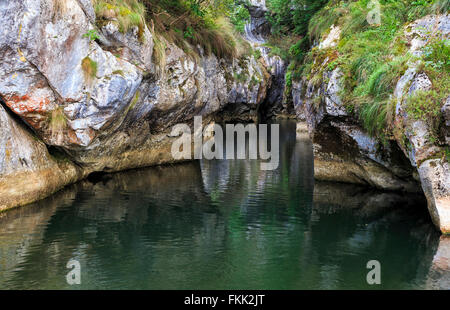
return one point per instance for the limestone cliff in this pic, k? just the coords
(345, 152)
(71, 105)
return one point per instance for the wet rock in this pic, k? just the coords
(344, 153)
(435, 179)
(439, 274)
(333, 103)
(332, 197)
(132, 46)
(446, 113)
(27, 171)
(256, 33)
(297, 99)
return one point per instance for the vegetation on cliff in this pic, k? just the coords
(186, 23)
(372, 57)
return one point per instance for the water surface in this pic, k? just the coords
(223, 224)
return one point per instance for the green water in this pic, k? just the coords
(221, 225)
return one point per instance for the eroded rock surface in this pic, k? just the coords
(345, 152)
(104, 104)
(27, 171)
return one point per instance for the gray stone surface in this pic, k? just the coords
(104, 103)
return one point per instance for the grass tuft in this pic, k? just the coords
(89, 68)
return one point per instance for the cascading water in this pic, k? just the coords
(256, 32)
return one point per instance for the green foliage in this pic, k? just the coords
(189, 33)
(441, 6)
(323, 20)
(447, 154)
(373, 116)
(426, 105)
(127, 13)
(437, 53)
(239, 16)
(92, 35)
(289, 20)
(89, 68)
(292, 16)
(423, 106)
(193, 23)
(256, 53)
(241, 77)
(373, 58)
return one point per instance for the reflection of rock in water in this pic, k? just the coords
(332, 197)
(439, 274)
(23, 228)
(169, 185)
(168, 223)
(242, 181)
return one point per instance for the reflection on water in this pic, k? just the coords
(221, 225)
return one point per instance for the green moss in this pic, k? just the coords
(256, 53)
(119, 72)
(426, 105)
(374, 57)
(57, 120)
(240, 77)
(135, 100)
(253, 81)
(89, 68)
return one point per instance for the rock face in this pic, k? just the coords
(27, 171)
(422, 151)
(256, 32)
(104, 105)
(344, 152)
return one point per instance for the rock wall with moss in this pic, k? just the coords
(89, 86)
(376, 100)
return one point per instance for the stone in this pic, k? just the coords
(332, 38)
(435, 179)
(27, 171)
(104, 104)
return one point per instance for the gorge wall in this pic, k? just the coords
(71, 106)
(411, 160)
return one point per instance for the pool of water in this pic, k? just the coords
(223, 224)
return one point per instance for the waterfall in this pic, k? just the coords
(256, 32)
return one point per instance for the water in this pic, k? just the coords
(222, 225)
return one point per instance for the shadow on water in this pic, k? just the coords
(223, 224)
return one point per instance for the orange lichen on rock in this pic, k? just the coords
(26, 104)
